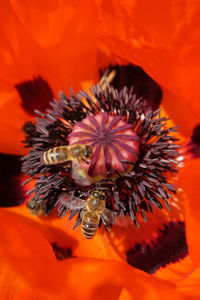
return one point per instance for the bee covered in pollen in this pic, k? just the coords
(94, 210)
(73, 154)
(63, 154)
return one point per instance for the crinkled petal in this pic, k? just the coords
(185, 275)
(189, 178)
(58, 44)
(163, 38)
(37, 274)
(180, 113)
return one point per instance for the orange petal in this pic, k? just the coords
(92, 279)
(52, 234)
(27, 256)
(59, 44)
(11, 285)
(16, 63)
(26, 244)
(177, 271)
(106, 280)
(184, 274)
(180, 113)
(189, 178)
(33, 45)
(191, 284)
(163, 38)
(21, 248)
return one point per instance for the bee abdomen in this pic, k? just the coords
(55, 155)
(90, 222)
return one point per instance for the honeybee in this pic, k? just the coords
(74, 154)
(63, 154)
(93, 210)
(35, 208)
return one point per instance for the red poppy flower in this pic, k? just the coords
(44, 257)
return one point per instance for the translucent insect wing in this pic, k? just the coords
(108, 216)
(71, 202)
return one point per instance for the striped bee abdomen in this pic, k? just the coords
(90, 222)
(55, 155)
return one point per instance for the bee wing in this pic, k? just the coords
(108, 216)
(77, 203)
(71, 202)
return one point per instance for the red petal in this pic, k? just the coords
(58, 44)
(27, 257)
(12, 118)
(189, 178)
(163, 38)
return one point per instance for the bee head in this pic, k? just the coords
(98, 194)
(88, 151)
(97, 201)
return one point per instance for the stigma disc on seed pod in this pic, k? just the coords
(112, 140)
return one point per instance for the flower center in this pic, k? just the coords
(113, 141)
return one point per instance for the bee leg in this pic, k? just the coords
(81, 215)
(108, 228)
(86, 161)
(105, 224)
